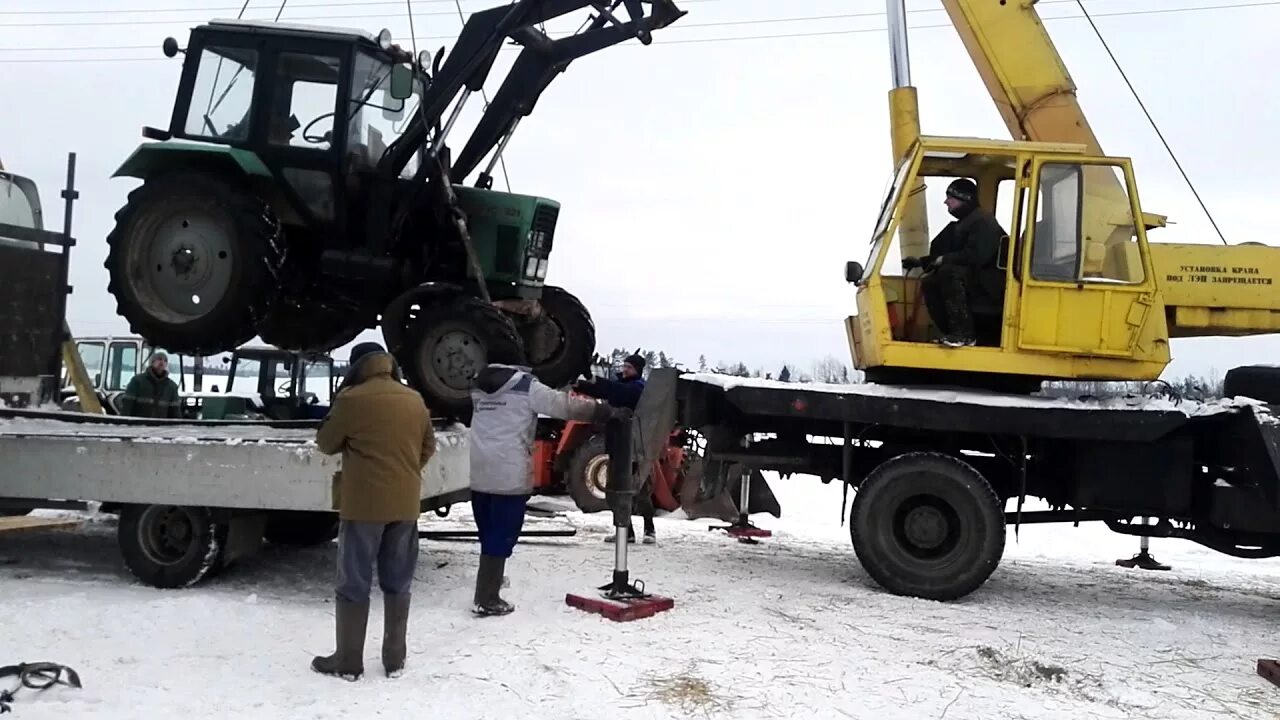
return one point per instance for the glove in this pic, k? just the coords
(910, 263)
(603, 413)
(584, 384)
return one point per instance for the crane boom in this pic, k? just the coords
(1029, 82)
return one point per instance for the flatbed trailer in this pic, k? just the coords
(932, 470)
(194, 496)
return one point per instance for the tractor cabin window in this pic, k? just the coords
(305, 101)
(1084, 229)
(222, 97)
(374, 114)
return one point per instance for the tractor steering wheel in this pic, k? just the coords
(327, 137)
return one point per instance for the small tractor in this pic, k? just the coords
(297, 197)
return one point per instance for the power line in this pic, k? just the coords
(739, 38)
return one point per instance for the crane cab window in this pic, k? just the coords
(1083, 229)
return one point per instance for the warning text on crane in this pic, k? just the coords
(1220, 275)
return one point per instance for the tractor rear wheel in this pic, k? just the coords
(449, 344)
(561, 340)
(192, 261)
(293, 326)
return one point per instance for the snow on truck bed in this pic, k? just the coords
(790, 628)
(1190, 408)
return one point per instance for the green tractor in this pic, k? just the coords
(300, 195)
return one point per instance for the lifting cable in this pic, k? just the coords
(502, 161)
(1151, 120)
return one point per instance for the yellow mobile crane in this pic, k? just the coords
(1085, 295)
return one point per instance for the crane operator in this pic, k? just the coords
(960, 269)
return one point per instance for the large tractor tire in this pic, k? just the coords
(290, 326)
(192, 261)
(449, 344)
(1260, 382)
(587, 477)
(927, 525)
(562, 340)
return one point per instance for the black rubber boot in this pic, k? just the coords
(395, 627)
(488, 584)
(347, 660)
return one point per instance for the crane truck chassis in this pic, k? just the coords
(933, 469)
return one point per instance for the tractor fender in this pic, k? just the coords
(574, 435)
(397, 311)
(151, 158)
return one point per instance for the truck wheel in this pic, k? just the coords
(301, 328)
(927, 525)
(588, 475)
(1259, 382)
(449, 344)
(169, 546)
(192, 260)
(301, 529)
(562, 340)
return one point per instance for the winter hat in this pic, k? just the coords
(364, 348)
(158, 355)
(964, 190)
(635, 361)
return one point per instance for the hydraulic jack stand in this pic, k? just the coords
(621, 600)
(743, 528)
(1143, 560)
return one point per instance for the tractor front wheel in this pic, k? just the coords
(192, 259)
(588, 476)
(449, 344)
(561, 340)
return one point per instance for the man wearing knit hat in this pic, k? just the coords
(152, 393)
(383, 430)
(624, 392)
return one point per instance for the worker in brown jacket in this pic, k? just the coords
(383, 430)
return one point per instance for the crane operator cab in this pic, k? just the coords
(1002, 264)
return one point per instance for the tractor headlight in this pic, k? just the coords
(542, 269)
(384, 39)
(531, 267)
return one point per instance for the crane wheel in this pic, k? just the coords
(192, 262)
(170, 546)
(562, 340)
(927, 525)
(449, 343)
(587, 477)
(1260, 382)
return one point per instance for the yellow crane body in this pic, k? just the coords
(1085, 295)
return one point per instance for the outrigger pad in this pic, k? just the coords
(1269, 669)
(622, 609)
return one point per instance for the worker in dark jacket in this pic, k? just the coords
(624, 392)
(151, 393)
(506, 401)
(383, 430)
(961, 266)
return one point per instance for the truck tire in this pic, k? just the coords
(449, 343)
(1260, 382)
(588, 475)
(301, 529)
(561, 341)
(927, 525)
(192, 262)
(300, 328)
(169, 546)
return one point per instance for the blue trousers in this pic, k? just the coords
(392, 547)
(499, 519)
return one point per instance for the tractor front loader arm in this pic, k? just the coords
(469, 62)
(541, 59)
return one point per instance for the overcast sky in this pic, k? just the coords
(712, 188)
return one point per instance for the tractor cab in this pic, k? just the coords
(285, 385)
(307, 106)
(1076, 296)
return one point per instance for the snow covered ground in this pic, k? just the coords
(789, 628)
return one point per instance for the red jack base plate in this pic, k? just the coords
(621, 610)
(1269, 669)
(751, 532)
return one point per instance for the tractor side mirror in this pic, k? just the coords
(401, 81)
(852, 271)
(170, 47)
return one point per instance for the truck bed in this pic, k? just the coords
(748, 402)
(227, 464)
